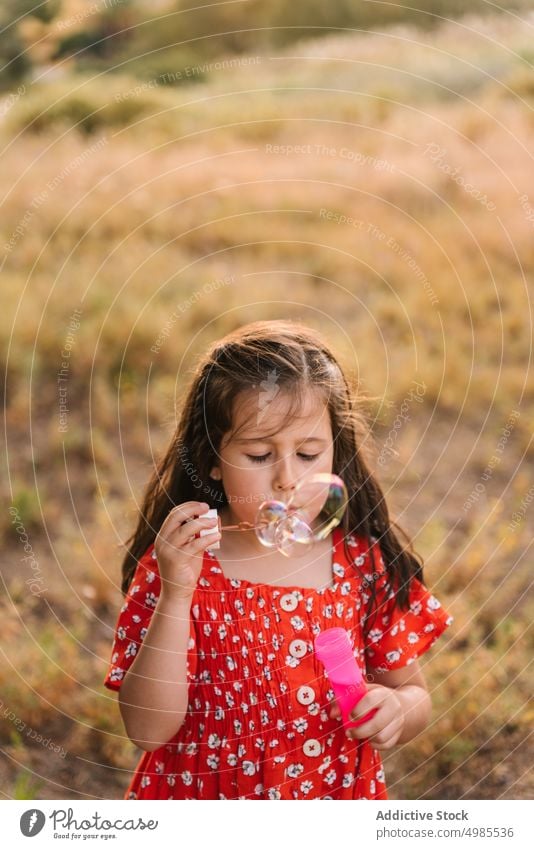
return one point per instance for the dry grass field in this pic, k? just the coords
(377, 186)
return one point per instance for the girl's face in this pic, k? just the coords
(254, 467)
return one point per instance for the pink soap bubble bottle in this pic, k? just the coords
(333, 648)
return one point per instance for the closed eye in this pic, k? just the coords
(257, 458)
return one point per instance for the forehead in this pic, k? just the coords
(274, 416)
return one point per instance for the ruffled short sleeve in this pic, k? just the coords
(395, 638)
(134, 619)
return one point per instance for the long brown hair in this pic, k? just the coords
(300, 359)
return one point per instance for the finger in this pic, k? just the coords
(366, 729)
(195, 543)
(185, 511)
(178, 534)
(362, 708)
(335, 712)
(387, 738)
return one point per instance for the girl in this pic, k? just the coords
(213, 652)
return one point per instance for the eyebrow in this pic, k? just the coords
(299, 441)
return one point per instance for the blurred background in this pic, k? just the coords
(169, 173)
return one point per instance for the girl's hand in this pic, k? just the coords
(178, 553)
(386, 726)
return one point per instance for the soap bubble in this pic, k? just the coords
(316, 507)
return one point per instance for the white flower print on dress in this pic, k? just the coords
(214, 741)
(273, 793)
(131, 650)
(187, 778)
(116, 674)
(145, 781)
(213, 761)
(325, 764)
(249, 767)
(413, 637)
(294, 770)
(393, 656)
(375, 635)
(306, 786)
(348, 779)
(300, 725)
(297, 623)
(330, 777)
(433, 603)
(338, 570)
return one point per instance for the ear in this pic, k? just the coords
(216, 473)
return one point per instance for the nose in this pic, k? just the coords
(283, 478)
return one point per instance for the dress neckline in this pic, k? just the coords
(212, 564)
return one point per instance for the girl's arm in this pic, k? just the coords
(153, 694)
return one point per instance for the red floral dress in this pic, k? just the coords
(257, 724)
